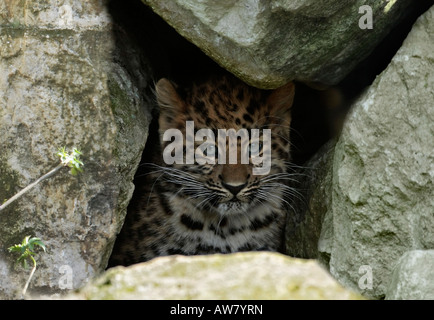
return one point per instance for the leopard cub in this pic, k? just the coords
(213, 206)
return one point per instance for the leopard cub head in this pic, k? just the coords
(226, 145)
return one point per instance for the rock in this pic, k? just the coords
(59, 87)
(306, 225)
(413, 277)
(269, 43)
(369, 196)
(383, 169)
(259, 275)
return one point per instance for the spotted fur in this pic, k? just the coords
(221, 208)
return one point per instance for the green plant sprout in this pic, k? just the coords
(71, 160)
(26, 249)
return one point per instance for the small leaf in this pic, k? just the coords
(38, 242)
(15, 248)
(24, 264)
(74, 171)
(25, 241)
(23, 260)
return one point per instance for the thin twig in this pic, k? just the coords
(30, 186)
(30, 277)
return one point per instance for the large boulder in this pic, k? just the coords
(268, 43)
(240, 276)
(60, 86)
(379, 201)
(383, 169)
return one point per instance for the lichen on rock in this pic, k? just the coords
(240, 276)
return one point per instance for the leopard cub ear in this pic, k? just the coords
(167, 95)
(172, 107)
(280, 102)
(282, 97)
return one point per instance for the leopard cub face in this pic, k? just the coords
(214, 121)
(219, 184)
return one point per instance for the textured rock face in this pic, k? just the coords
(257, 276)
(60, 87)
(382, 173)
(268, 43)
(413, 277)
(302, 236)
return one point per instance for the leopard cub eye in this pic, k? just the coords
(211, 151)
(255, 148)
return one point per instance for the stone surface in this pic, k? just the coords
(269, 43)
(312, 204)
(370, 195)
(60, 86)
(252, 275)
(383, 168)
(413, 277)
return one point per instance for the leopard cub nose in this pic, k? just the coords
(234, 189)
